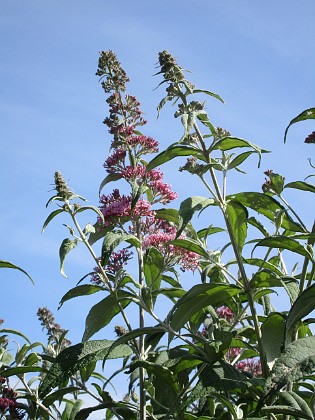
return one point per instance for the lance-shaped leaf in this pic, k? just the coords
(285, 410)
(296, 361)
(58, 395)
(197, 298)
(66, 246)
(103, 312)
(172, 152)
(50, 217)
(237, 215)
(267, 206)
(190, 245)
(272, 331)
(308, 114)
(240, 159)
(7, 264)
(113, 239)
(171, 215)
(207, 92)
(110, 178)
(93, 208)
(21, 370)
(285, 242)
(122, 409)
(83, 290)
(301, 185)
(189, 206)
(302, 306)
(153, 268)
(76, 357)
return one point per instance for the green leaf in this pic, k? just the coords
(110, 178)
(83, 290)
(237, 215)
(308, 114)
(112, 239)
(66, 246)
(203, 118)
(283, 409)
(103, 312)
(304, 304)
(239, 159)
(50, 217)
(265, 278)
(277, 182)
(58, 395)
(73, 358)
(297, 360)
(267, 206)
(172, 152)
(207, 92)
(197, 298)
(284, 242)
(190, 245)
(7, 264)
(93, 208)
(120, 408)
(301, 185)
(15, 332)
(228, 143)
(189, 206)
(272, 336)
(20, 370)
(100, 232)
(295, 401)
(153, 268)
(171, 215)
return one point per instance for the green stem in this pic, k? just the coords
(141, 325)
(238, 256)
(104, 276)
(184, 390)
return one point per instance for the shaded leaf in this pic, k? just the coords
(20, 370)
(112, 239)
(239, 159)
(110, 178)
(283, 409)
(190, 245)
(285, 242)
(303, 305)
(103, 312)
(83, 290)
(189, 206)
(50, 217)
(93, 208)
(66, 246)
(197, 298)
(73, 358)
(172, 152)
(7, 264)
(58, 395)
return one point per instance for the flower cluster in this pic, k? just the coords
(225, 313)
(110, 67)
(8, 403)
(157, 233)
(116, 262)
(311, 138)
(115, 207)
(54, 331)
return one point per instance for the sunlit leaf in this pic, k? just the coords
(190, 245)
(301, 185)
(285, 242)
(267, 206)
(191, 205)
(308, 114)
(237, 215)
(207, 92)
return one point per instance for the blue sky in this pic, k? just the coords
(259, 56)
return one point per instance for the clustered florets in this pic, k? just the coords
(249, 366)
(8, 402)
(311, 138)
(54, 331)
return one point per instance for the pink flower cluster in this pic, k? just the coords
(116, 262)
(143, 145)
(226, 313)
(157, 233)
(8, 404)
(116, 206)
